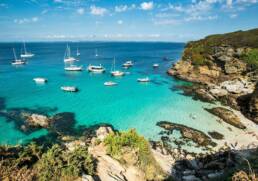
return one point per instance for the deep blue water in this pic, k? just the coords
(128, 105)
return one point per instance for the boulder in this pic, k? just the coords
(235, 67)
(218, 92)
(238, 86)
(102, 132)
(253, 106)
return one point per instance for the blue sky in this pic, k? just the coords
(123, 20)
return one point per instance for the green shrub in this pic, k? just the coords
(57, 163)
(251, 58)
(119, 143)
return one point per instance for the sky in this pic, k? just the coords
(123, 20)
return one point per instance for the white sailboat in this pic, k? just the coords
(68, 57)
(26, 54)
(17, 61)
(115, 72)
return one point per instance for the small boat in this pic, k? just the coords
(96, 68)
(26, 54)
(40, 80)
(69, 88)
(155, 65)
(73, 68)
(68, 57)
(110, 83)
(114, 72)
(146, 79)
(128, 64)
(17, 61)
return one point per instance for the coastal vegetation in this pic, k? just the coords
(199, 52)
(130, 148)
(32, 162)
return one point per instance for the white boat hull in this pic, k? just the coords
(117, 73)
(143, 80)
(110, 83)
(18, 62)
(69, 89)
(40, 80)
(73, 68)
(71, 59)
(96, 69)
(27, 55)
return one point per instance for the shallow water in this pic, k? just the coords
(128, 105)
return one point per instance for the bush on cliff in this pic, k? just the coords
(57, 163)
(119, 144)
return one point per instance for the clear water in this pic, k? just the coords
(128, 105)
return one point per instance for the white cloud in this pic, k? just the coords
(58, 1)
(233, 16)
(121, 8)
(80, 11)
(200, 18)
(120, 22)
(147, 5)
(3, 5)
(98, 11)
(44, 11)
(34, 19)
(26, 20)
(229, 3)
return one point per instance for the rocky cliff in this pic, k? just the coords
(226, 68)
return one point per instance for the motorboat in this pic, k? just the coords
(146, 79)
(40, 80)
(26, 54)
(69, 88)
(128, 64)
(17, 61)
(68, 57)
(110, 83)
(73, 68)
(96, 68)
(114, 72)
(155, 65)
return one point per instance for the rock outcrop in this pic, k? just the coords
(188, 133)
(226, 67)
(228, 116)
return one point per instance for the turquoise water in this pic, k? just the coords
(128, 105)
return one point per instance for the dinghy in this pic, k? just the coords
(146, 79)
(40, 80)
(69, 89)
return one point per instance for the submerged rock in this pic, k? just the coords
(228, 116)
(38, 120)
(188, 133)
(216, 135)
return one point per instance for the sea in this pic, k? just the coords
(127, 105)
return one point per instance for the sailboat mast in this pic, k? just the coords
(24, 46)
(14, 54)
(114, 64)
